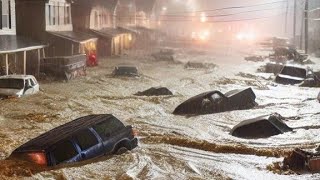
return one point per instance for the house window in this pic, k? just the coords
(6, 14)
(58, 16)
(100, 18)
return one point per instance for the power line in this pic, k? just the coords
(223, 15)
(232, 7)
(218, 21)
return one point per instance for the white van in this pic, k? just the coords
(18, 85)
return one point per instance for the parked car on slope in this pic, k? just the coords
(18, 85)
(215, 102)
(81, 139)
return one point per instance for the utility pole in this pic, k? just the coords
(306, 26)
(286, 18)
(294, 22)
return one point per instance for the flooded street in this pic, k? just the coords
(170, 146)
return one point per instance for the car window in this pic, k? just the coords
(216, 97)
(105, 128)
(293, 71)
(32, 82)
(86, 139)
(64, 151)
(12, 83)
(26, 83)
(35, 81)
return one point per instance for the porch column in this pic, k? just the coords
(72, 49)
(24, 62)
(38, 68)
(7, 64)
(43, 53)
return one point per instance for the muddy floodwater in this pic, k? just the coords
(170, 147)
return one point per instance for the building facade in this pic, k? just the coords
(314, 27)
(50, 22)
(18, 54)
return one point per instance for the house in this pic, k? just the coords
(18, 54)
(99, 18)
(50, 21)
(314, 26)
(145, 17)
(126, 13)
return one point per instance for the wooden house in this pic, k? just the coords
(18, 54)
(50, 21)
(99, 18)
(145, 23)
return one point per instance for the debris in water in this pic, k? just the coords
(254, 58)
(198, 65)
(213, 147)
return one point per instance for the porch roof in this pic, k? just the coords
(74, 36)
(14, 43)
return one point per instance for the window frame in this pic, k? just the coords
(58, 16)
(100, 18)
(10, 28)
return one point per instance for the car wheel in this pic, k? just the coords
(121, 150)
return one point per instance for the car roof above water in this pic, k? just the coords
(16, 76)
(62, 132)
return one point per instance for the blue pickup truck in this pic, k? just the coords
(81, 139)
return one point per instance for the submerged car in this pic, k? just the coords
(291, 74)
(18, 85)
(130, 71)
(164, 55)
(81, 139)
(215, 102)
(155, 91)
(261, 127)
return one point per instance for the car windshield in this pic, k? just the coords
(294, 71)
(216, 97)
(105, 128)
(11, 83)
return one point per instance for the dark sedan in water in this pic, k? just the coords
(215, 102)
(81, 139)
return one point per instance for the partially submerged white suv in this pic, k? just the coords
(18, 85)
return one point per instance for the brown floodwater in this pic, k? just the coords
(170, 147)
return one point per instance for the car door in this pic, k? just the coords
(64, 152)
(89, 143)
